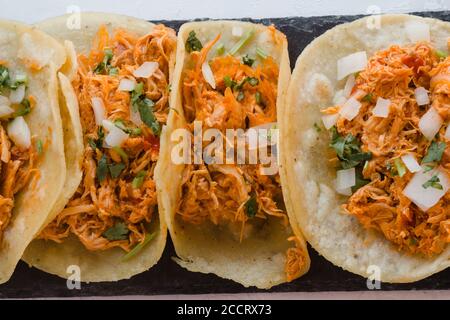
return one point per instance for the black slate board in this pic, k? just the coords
(168, 278)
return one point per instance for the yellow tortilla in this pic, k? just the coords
(19, 43)
(308, 175)
(257, 261)
(56, 258)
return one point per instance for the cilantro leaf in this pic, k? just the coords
(102, 168)
(138, 181)
(348, 150)
(435, 152)
(116, 169)
(139, 247)
(434, 182)
(192, 43)
(247, 60)
(251, 206)
(119, 231)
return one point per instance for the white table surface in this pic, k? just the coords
(35, 10)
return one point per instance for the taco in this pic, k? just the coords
(367, 130)
(31, 138)
(228, 218)
(110, 225)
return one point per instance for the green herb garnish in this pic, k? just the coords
(105, 65)
(251, 206)
(138, 181)
(240, 96)
(139, 247)
(4, 76)
(39, 147)
(116, 169)
(192, 43)
(121, 125)
(247, 60)
(360, 181)
(348, 150)
(434, 182)
(228, 82)
(98, 143)
(400, 166)
(258, 98)
(441, 54)
(117, 232)
(102, 168)
(220, 49)
(121, 153)
(260, 52)
(145, 108)
(24, 108)
(368, 97)
(242, 42)
(435, 152)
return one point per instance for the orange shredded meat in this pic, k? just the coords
(128, 201)
(17, 168)
(394, 74)
(220, 193)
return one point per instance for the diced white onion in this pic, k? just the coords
(330, 120)
(447, 133)
(350, 64)
(422, 97)
(127, 84)
(349, 85)
(350, 109)
(345, 192)
(5, 111)
(426, 198)
(208, 74)
(146, 70)
(19, 132)
(237, 31)
(411, 163)
(339, 98)
(135, 117)
(16, 96)
(4, 101)
(430, 123)
(115, 136)
(382, 108)
(99, 110)
(417, 31)
(345, 179)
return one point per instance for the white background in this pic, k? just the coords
(35, 10)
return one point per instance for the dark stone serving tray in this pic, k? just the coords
(168, 278)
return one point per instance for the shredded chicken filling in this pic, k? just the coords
(114, 209)
(394, 74)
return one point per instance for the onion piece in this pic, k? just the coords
(135, 117)
(345, 179)
(350, 109)
(115, 136)
(430, 123)
(344, 192)
(16, 96)
(127, 85)
(146, 70)
(411, 163)
(426, 198)
(349, 85)
(417, 31)
(382, 108)
(208, 74)
(5, 111)
(447, 132)
(339, 98)
(350, 64)
(421, 95)
(99, 110)
(19, 132)
(329, 120)
(237, 31)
